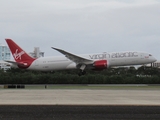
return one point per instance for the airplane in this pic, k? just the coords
(95, 61)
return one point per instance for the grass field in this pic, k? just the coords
(100, 87)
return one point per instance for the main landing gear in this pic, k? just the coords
(82, 71)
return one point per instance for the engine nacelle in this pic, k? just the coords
(100, 64)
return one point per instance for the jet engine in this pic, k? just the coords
(100, 64)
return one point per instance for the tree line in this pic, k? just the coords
(142, 75)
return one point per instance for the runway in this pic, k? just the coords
(79, 97)
(78, 104)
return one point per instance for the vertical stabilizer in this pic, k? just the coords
(19, 54)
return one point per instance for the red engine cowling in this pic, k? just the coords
(100, 64)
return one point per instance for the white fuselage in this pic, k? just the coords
(113, 59)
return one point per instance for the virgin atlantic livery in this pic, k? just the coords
(96, 61)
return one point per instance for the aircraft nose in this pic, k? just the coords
(154, 59)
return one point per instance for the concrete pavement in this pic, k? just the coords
(79, 97)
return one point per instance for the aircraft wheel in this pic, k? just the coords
(81, 73)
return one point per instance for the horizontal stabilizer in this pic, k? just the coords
(15, 63)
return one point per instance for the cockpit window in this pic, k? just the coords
(150, 55)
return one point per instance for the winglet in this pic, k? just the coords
(59, 50)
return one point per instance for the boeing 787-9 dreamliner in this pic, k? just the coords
(95, 61)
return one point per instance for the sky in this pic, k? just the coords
(82, 26)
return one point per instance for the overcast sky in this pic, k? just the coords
(82, 26)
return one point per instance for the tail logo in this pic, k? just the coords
(18, 55)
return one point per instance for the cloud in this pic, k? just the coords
(81, 26)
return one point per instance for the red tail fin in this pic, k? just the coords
(18, 53)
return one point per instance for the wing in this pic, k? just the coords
(75, 58)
